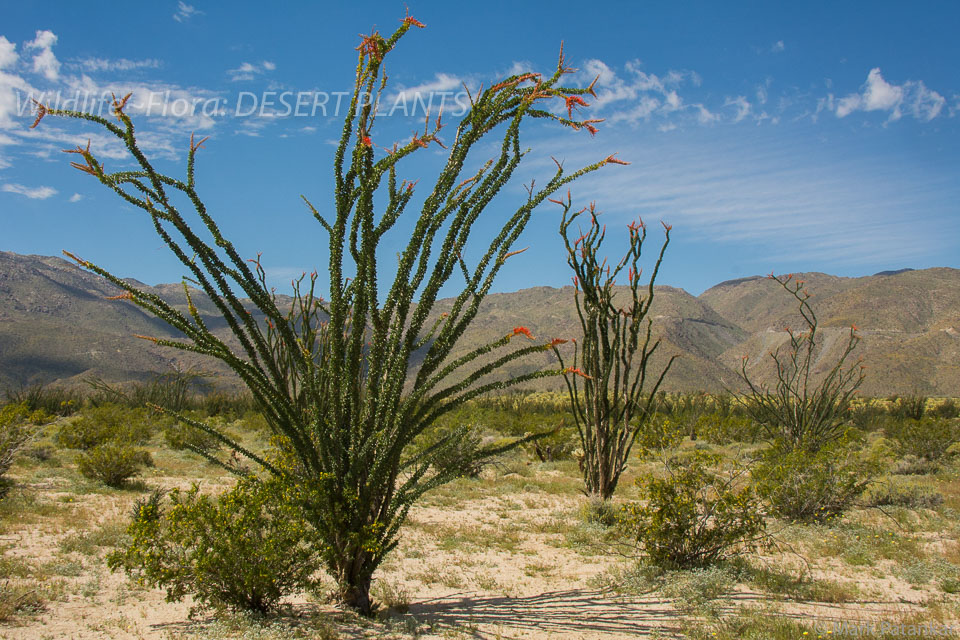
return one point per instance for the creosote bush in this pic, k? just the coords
(337, 378)
(113, 463)
(814, 487)
(695, 515)
(107, 423)
(19, 426)
(244, 549)
(928, 438)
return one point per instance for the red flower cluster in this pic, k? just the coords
(522, 330)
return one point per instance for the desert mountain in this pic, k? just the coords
(56, 325)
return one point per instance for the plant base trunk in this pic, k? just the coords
(357, 597)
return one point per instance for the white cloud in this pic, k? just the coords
(185, 12)
(8, 53)
(742, 105)
(76, 197)
(877, 94)
(424, 98)
(247, 71)
(641, 95)
(924, 104)
(704, 115)
(119, 64)
(45, 62)
(34, 193)
(778, 46)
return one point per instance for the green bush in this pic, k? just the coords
(902, 494)
(946, 409)
(911, 407)
(180, 436)
(112, 463)
(927, 438)
(244, 549)
(814, 487)
(694, 516)
(106, 423)
(717, 428)
(18, 427)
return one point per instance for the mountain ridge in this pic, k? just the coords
(56, 326)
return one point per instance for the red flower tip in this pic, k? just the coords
(612, 159)
(578, 372)
(557, 341)
(367, 142)
(666, 226)
(854, 327)
(413, 22)
(522, 330)
(41, 111)
(573, 102)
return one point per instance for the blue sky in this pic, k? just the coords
(772, 136)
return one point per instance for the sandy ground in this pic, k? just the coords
(495, 565)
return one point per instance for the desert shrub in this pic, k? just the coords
(454, 449)
(391, 595)
(106, 423)
(18, 427)
(814, 487)
(718, 428)
(245, 549)
(180, 436)
(911, 407)
(598, 512)
(694, 515)
(693, 591)
(947, 409)
(867, 416)
(802, 410)
(19, 598)
(54, 401)
(113, 463)
(912, 495)
(928, 438)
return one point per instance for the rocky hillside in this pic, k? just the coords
(56, 325)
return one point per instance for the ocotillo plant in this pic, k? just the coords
(607, 379)
(330, 377)
(800, 412)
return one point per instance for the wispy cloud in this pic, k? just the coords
(782, 197)
(742, 106)
(879, 95)
(248, 71)
(93, 65)
(77, 197)
(778, 46)
(34, 193)
(185, 12)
